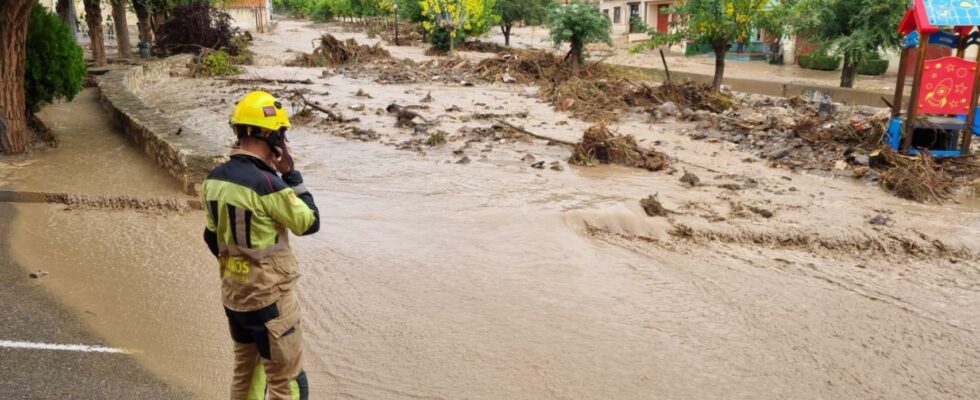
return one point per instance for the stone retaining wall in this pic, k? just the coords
(185, 154)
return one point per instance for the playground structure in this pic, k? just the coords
(942, 111)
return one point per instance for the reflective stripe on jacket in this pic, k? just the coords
(249, 210)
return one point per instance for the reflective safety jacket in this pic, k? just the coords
(249, 210)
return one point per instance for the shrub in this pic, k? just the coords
(440, 37)
(217, 63)
(321, 11)
(819, 61)
(195, 26)
(872, 66)
(637, 25)
(54, 66)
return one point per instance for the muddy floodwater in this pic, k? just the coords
(432, 279)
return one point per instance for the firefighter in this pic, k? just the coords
(251, 202)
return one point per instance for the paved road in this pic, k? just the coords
(30, 314)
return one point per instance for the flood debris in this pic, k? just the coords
(356, 133)
(404, 116)
(531, 134)
(690, 179)
(791, 133)
(333, 52)
(38, 274)
(482, 47)
(880, 220)
(306, 105)
(652, 206)
(436, 138)
(917, 178)
(599, 145)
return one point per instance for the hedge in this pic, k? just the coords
(820, 62)
(872, 67)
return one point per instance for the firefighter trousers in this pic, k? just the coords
(268, 352)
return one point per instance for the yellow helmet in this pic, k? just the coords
(260, 109)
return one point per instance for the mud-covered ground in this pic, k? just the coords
(456, 269)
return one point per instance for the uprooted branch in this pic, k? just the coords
(532, 134)
(307, 104)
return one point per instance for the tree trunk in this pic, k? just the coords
(122, 27)
(720, 49)
(66, 11)
(505, 29)
(575, 56)
(848, 72)
(158, 19)
(14, 18)
(143, 20)
(93, 16)
(452, 42)
(62, 9)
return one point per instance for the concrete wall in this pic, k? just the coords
(186, 155)
(250, 19)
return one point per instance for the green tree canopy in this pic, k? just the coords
(460, 18)
(511, 12)
(854, 29)
(54, 67)
(719, 23)
(578, 25)
(410, 10)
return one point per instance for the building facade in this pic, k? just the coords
(655, 14)
(249, 15)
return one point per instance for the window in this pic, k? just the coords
(617, 17)
(606, 12)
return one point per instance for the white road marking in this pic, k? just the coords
(63, 347)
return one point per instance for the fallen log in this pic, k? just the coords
(306, 103)
(532, 134)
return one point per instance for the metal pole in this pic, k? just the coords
(900, 85)
(396, 23)
(914, 100)
(971, 115)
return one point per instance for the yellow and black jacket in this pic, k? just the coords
(249, 210)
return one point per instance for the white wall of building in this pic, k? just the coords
(647, 10)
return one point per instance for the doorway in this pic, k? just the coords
(663, 18)
(635, 21)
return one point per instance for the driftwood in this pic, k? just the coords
(404, 115)
(306, 103)
(532, 134)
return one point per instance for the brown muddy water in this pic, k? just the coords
(492, 280)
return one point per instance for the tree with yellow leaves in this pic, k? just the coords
(458, 19)
(719, 23)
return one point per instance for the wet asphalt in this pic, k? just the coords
(29, 313)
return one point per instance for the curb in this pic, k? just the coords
(187, 155)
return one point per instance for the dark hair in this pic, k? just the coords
(244, 131)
